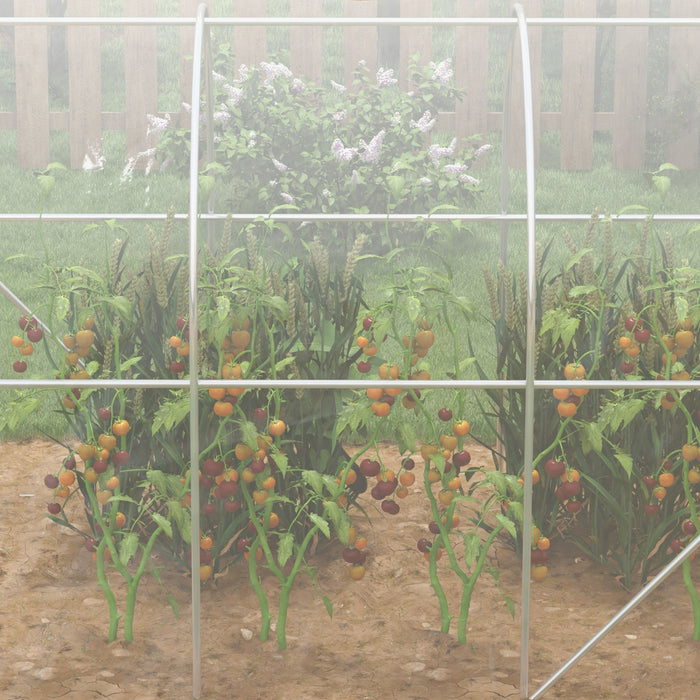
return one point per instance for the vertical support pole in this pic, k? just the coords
(529, 137)
(194, 347)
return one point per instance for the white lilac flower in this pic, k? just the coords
(342, 154)
(396, 119)
(326, 193)
(281, 167)
(425, 123)
(218, 76)
(156, 124)
(355, 177)
(482, 149)
(442, 72)
(187, 107)
(272, 183)
(339, 116)
(287, 197)
(385, 77)
(468, 179)
(436, 152)
(370, 152)
(235, 94)
(243, 73)
(455, 168)
(222, 116)
(425, 181)
(338, 86)
(275, 70)
(252, 139)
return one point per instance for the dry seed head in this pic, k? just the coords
(138, 402)
(292, 303)
(183, 287)
(319, 258)
(670, 252)
(107, 358)
(351, 264)
(570, 243)
(252, 247)
(492, 294)
(294, 374)
(114, 271)
(225, 240)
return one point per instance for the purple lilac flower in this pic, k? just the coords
(297, 85)
(385, 77)
(287, 197)
(218, 77)
(455, 168)
(243, 73)
(468, 179)
(436, 152)
(425, 181)
(275, 70)
(339, 116)
(222, 116)
(370, 153)
(342, 154)
(425, 123)
(442, 72)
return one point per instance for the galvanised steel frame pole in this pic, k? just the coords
(529, 385)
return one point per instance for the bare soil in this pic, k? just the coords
(384, 639)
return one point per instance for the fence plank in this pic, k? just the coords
(32, 87)
(629, 132)
(141, 75)
(533, 8)
(360, 43)
(306, 43)
(85, 84)
(577, 84)
(414, 40)
(250, 43)
(471, 71)
(684, 82)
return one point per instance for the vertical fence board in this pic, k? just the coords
(629, 122)
(414, 40)
(577, 84)
(306, 43)
(533, 8)
(141, 76)
(360, 43)
(32, 87)
(85, 84)
(471, 70)
(250, 43)
(684, 80)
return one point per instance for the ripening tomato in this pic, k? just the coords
(120, 427)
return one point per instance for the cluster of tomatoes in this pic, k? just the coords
(569, 489)
(538, 554)
(569, 397)
(31, 334)
(383, 398)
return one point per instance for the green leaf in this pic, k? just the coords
(285, 547)
(281, 461)
(582, 289)
(413, 308)
(174, 604)
(171, 413)
(223, 307)
(121, 305)
(406, 437)
(625, 461)
(314, 480)
(181, 518)
(128, 547)
(340, 522)
(472, 545)
(164, 523)
(46, 184)
(61, 307)
(575, 259)
(507, 523)
(681, 304)
(591, 438)
(560, 324)
(249, 434)
(321, 524)
(328, 604)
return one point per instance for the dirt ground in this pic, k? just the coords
(382, 642)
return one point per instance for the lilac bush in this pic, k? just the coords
(281, 141)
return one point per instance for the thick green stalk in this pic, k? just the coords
(107, 591)
(694, 599)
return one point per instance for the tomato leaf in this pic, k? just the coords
(340, 523)
(406, 437)
(181, 518)
(164, 523)
(328, 605)
(223, 307)
(321, 524)
(285, 547)
(314, 480)
(625, 461)
(61, 307)
(472, 545)
(128, 547)
(591, 438)
(507, 523)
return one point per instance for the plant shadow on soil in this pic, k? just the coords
(383, 641)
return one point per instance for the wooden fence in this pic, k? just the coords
(577, 121)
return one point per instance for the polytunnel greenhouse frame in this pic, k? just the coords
(529, 385)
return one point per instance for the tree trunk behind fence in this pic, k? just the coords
(360, 43)
(306, 43)
(32, 87)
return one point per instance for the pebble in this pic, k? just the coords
(246, 634)
(413, 667)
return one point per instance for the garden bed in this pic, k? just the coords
(382, 642)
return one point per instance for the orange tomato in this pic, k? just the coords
(561, 394)
(175, 341)
(17, 342)
(67, 478)
(277, 427)
(380, 408)
(269, 483)
(461, 428)
(217, 393)
(361, 341)
(539, 572)
(574, 370)
(566, 409)
(205, 572)
(374, 393)
(357, 571)
(119, 519)
(543, 543)
(407, 478)
(387, 370)
(107, 442)
(223, 408)
(120, 427)
(112, 483)
(666, 479)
